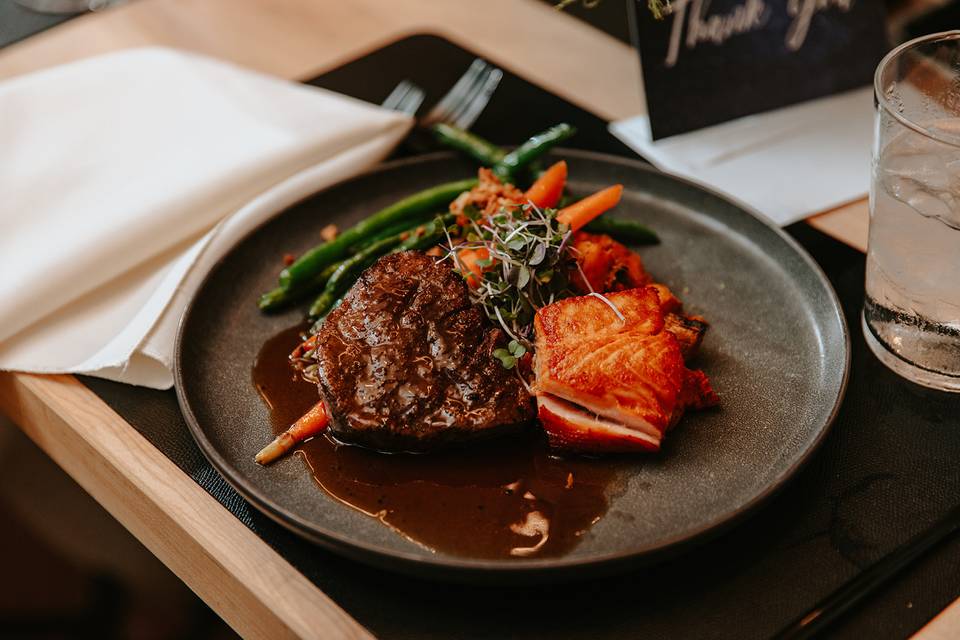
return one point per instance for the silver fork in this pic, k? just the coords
(462, 104)
(467, 98)
(406, 98)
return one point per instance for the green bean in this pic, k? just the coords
(484, 152)
(531, 150)
(274, 299)
(346, 274)
(306, 268)
(278, 298)
(433, 233)
(620, 229)
(396, 229)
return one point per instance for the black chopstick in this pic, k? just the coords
(869, 580)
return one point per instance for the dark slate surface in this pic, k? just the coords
(888, 469)
(17, 22)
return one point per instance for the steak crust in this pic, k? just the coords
(406, 361)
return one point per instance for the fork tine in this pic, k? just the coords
(411, 101)
(397, 95)
(479, 101)
(468, 97)
(440, 112)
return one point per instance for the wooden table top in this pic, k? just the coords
(255, 590)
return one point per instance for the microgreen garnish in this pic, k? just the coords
(508, 357)
(527, 266)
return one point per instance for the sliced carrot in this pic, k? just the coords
(580, 213)
(468, 259)
(312, 423)
(548, 188)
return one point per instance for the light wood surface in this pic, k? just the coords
(241, 578)
(297, 39)
(945, 626)
(848, 223)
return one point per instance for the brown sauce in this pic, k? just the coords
(508, 498)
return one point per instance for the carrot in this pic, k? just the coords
(580, 213)
(312, 423)
(468, 259)
(548, 188)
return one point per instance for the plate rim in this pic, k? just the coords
(411, 562)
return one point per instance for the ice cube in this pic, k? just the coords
(929, 183)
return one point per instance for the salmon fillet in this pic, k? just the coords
(612, 380)
(606, 265)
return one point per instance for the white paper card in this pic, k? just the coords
(786, 164)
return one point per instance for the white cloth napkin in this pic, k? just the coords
(124, 177)
(787, 164)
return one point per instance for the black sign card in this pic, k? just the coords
(709, 61)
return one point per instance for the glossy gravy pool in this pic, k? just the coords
(507, 498)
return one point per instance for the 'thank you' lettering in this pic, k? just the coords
(710, 61)
(752, 15)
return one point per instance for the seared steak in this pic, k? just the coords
(406, 361)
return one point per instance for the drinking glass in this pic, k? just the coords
(911, 315)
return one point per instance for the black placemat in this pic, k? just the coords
(18, 22)
(888, 469)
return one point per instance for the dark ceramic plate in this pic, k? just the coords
(777, 353)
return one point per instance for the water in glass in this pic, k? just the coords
(913, 265)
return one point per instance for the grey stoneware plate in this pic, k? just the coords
(777, 353)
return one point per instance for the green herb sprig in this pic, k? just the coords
(508, 357)
(529, 259)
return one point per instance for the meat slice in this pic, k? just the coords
(406, 362)
(611, 377)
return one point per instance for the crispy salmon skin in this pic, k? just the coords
(610, 377)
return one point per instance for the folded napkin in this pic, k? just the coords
(125, 177)
(787, 164)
